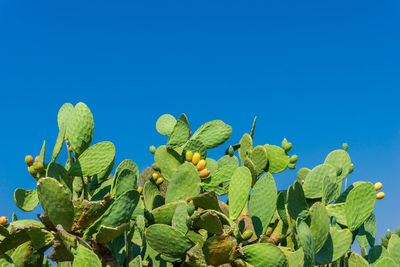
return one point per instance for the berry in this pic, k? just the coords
(29, 160)
(155, 176)
(189, 155)
(345, 146)
(160, 180)
(204, 173)
(196, 158)
(37, 159)
(38, 167)
(378, 186)
(140, 189)
(32, 171)
(3, 220)
(293, 159)
(201, 165)
(152, 149)
(380, 195)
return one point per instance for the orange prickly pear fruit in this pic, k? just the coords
(155, 176)
(380, 195)
(160, 180)
(190, 133)
(196, 158)
(189, 155)
(378, 186)
(37, 159)
(29, 160)
(3, 220)
(201, 165)
(140, 189)
(32, 171)
(38, 167)
(204, 173)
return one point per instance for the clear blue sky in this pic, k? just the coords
(317, 72)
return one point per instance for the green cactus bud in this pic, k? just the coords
(388, 234)
(287, 146)
(29, 160)
(247, 235)
(152, 149)
(291, 166)
(345, 146)
(231, 151)
(293, 159)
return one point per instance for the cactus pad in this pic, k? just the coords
(26, 200)
(219, 249)
(264, 255)
(314, 181)
(355, 260)
(180, 133)
(339, 159)
(259, 157)
(296, 200)
(319, 224)
(167, 161)
(165, 124)
(219, 180)
(239, 189)
(213, 133)
(278, 160)
(125, 179)
(246, 146)
(83, 255)
(367, 232)
(336, 245)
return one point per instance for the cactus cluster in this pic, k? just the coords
(171, 214)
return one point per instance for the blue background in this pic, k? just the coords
(319, 73)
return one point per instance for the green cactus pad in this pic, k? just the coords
(119, 212)
(168, 161)
(213, 133)
(281, 207)
(58, 146)
(26, 200)
(165, 213)
(6, 261)
(376, 253)
(151, 195)
(336, 245)
(86, 212)
(196, 146)
(264, 255)
(319, 224)
(296, 258)
(263, 203)
(239, 189)
(80, 128)
(195, 256)
(314, 181)
(330, 189)
(259, 157)
(339, 159)
(83, 255)
(207, 200)
(209, 221)
(386, 262)
(394, 248)
(165, 124)
(246, 146)
(219, 249)
(296, 201)
(278, 160)
(178, 243)
(106, 234)
(360, 203)
(180, 217)
(63, 116)
(125, 180)
(100, 192)
(180, 133)
(56, 202)
(337, 210)
(355, 260)
(219, 180)
(367, 232)
(59, 173)
(212, 165)
(94, 160)
(127, 164)
(184, 182)
(302, 174)
(307, 242)
(26, 255)
(228, 160)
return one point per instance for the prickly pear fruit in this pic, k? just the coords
(291, 166)
(388, 234)
(189, 155)
(293, 159)
(378, 186)
(3, 220)
(152, 149)
(287, 146)
(160, 180)
(380, 195)
(247, 234)
(29, 160)
(37, 158)
(32, 171)
(231, 151)
(140, 189)
(201, 165)
(190, 208)
(38, 167)
(155, 176)
(204, 173)
(196, 158)
(345, 146)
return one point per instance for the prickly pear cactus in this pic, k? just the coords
(172, 213)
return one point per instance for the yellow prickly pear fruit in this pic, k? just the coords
(37, 159)
(378, 186)
(3, 220)
(38, 167)
(201, 165)
(155, 176)
(189, 155)
(247, 234)
(29, 160)
(140, 189)
(160, 180)
(204, 173)
(196, 158)
(380, 195)
(32, 171)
